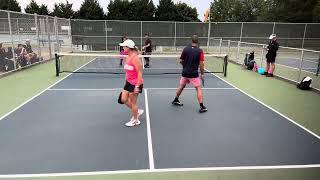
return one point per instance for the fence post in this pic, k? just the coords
(141, 35)
(56, 33)
(18, 30)
(238, 51)
(175, 36)
(302, 54)
(220, 45)
(318, 69)
(240, 39)
(300, 67)
(37, 33)
(10, 30)
(262, 55)
(70, 34)
(304, 35)
(209, 31)
(229, 44)
(49, 38)
(274, 26)
(106, 29)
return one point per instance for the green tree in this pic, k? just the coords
(32, 8)
(63, 10)
(141, 10)
(11, 5)
(118, 10)
(226, 11)
(43, 10)
(316, 13)
(295, 11)
(90, 9)
(252, 9)
(166, 11)
(186, 13)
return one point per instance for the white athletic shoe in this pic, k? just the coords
(132, 123)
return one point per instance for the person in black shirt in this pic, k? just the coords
(2, 58)
(192, 58)
(147, 50)
(271, 55)
(122, 52)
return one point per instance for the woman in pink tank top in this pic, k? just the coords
(134, 82)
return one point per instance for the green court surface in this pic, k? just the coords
(300, 106)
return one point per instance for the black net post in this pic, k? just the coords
(57, 65)
(225, 65)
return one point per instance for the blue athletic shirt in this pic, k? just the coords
(191, 56)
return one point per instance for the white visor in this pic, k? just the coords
(128, 43)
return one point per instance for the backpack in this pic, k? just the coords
(305, 83)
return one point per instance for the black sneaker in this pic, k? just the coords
(269, 75)
(265, 73)
(177, 103)
(146, 66)
(203, 109)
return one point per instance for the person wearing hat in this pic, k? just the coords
(272, 49)
(134, 82)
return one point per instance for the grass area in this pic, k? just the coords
(21, 86)
(301, 106)
(279, 174)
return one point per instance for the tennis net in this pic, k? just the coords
(110, 63)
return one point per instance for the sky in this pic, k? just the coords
(201, 5)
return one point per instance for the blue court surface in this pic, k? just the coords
(77, 126)
(308, 65)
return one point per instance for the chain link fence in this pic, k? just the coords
(48, 35)
(28, 39)
(292, 64)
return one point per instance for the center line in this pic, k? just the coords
(150, 150)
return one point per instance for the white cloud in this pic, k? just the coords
(201, 5)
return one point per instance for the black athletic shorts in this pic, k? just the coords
(129, 87)
(270, 58)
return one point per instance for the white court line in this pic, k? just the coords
(236, 168)
(191, 88)
(150, 149)
(310, 68)
(297, 124)
(41, 92)
(114, 68)
(114, 89)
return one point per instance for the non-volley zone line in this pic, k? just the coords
(235, 168)
(117, 89)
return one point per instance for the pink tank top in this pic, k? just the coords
(131, 71)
